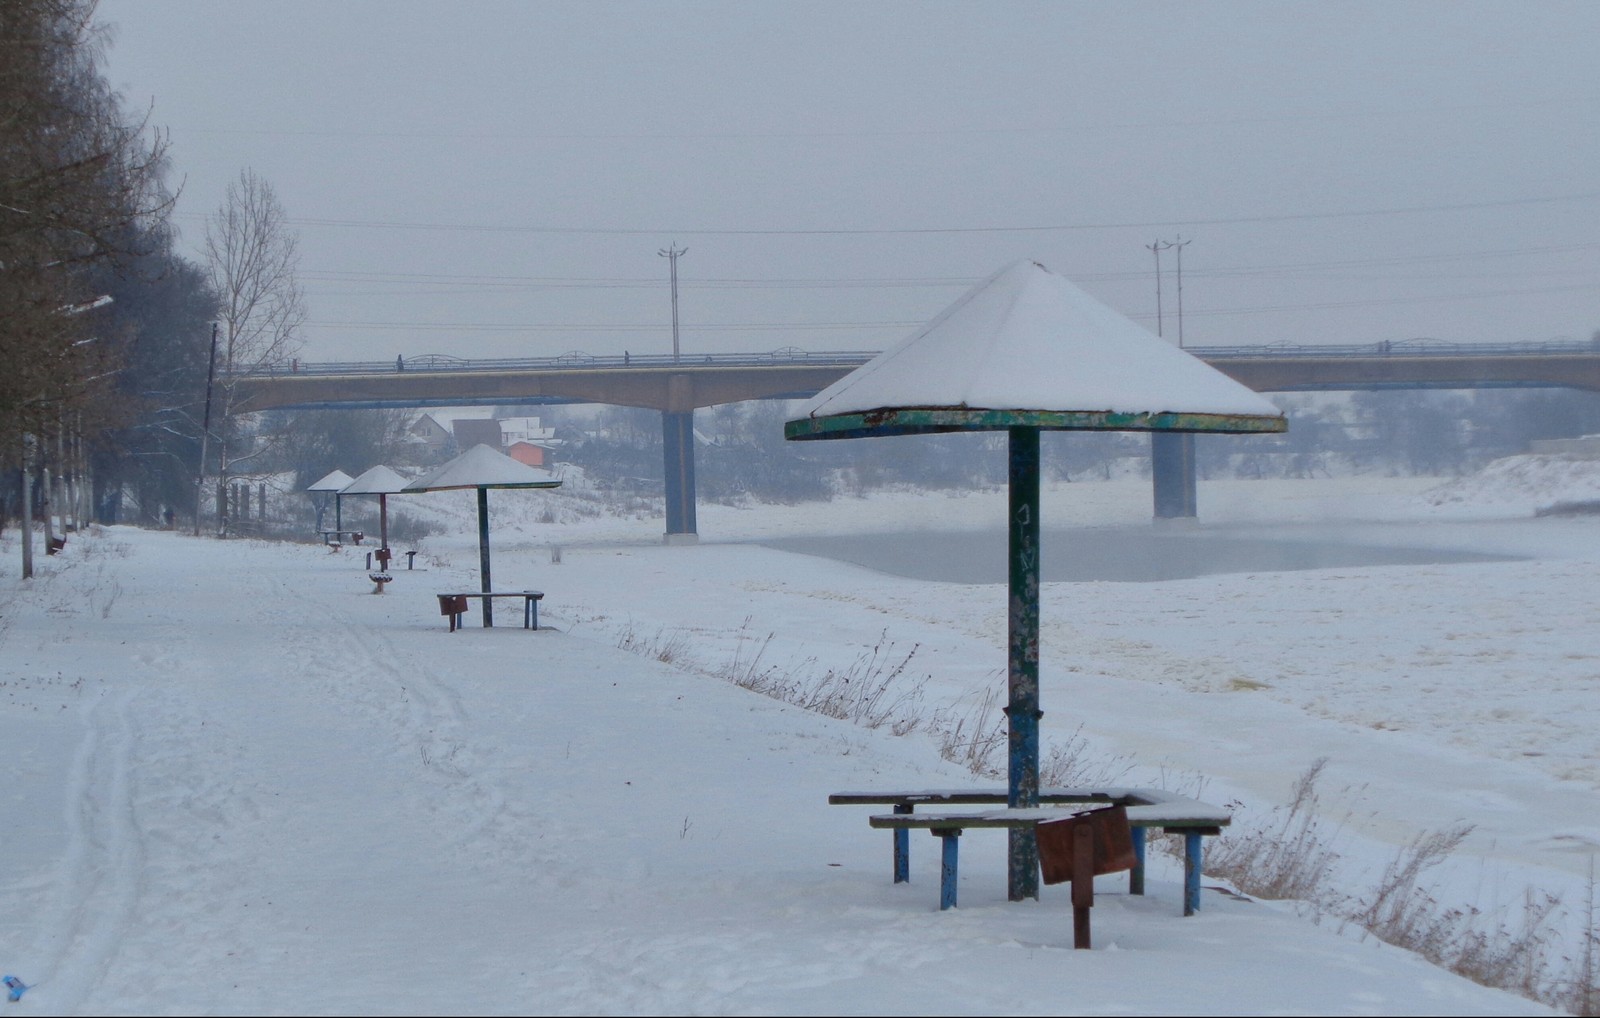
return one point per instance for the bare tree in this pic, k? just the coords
(252, 257)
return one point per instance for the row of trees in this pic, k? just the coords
(107, 335)
(79, 188)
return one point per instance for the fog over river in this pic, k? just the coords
(1128, 554)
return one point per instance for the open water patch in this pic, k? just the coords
(1122, 554)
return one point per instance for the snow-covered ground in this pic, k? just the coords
(239, 782)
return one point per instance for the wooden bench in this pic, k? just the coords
(1147, 808)
(336, 537)
(455, 605)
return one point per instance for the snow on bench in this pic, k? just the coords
(455, 605)
(1147, 808)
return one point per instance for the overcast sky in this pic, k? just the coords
(497, 179)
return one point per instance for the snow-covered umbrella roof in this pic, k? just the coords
(380, 480)
(336, 481)
(1028, 348)
(483, 467)
(1023, 352)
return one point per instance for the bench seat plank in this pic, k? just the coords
(530, 606)
(1147, 808)
(1209, 819)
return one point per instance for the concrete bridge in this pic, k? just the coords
(678, 386)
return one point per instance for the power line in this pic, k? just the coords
(834, 326)
(931, 282)
(1058, 127)
(947, 230)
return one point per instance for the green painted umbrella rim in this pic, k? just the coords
(940, 420)
(504, 486)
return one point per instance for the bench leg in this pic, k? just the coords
(1136, 874)
(1082, 886)
(902, 848)
(947, 866)
(1192, 860)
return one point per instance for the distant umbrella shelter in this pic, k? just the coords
(1027, 351)
(481, 468)
(334, 484)
(381, 481)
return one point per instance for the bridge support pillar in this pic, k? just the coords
(1172, 471)
(677, 452)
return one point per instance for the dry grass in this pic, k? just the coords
(1288, 858)
(670, 648)
(1292, 856)
(974, 737)
(1072, 764)
(871, 691)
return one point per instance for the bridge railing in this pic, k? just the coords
(573, 360)
(578, 359)
(1399, 348)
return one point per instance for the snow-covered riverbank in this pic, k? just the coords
(242, 782)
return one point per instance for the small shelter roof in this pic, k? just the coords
(380, 480)
(483, 467)
(1027, 347)
(336, 481)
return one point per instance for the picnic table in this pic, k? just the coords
(338, 536)
(455, 605)
(1147, 808)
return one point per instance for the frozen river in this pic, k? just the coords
(1127, 554)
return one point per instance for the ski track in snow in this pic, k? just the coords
(95, 897)
(426, 714)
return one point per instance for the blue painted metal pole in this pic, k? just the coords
(1172, 475)
(1022, 709)
(1136, 875)
(677, 452)
(902, 847)
(483, 556)
(949, 858)
(1192, 860)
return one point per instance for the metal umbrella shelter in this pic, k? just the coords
(335, 482)
(1024, 352)
(482, 468)
(382, 482)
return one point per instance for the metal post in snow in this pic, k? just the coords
(27, 506)
(483, 556)
(205, 432)
(1022, 614)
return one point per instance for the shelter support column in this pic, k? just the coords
(677, 451)
(1022, 707)
(1172, 472)
(483, 556)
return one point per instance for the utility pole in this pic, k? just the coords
(1156, 249)
(27, 505)
(671, 254)
(1180, 245)
(205, 433)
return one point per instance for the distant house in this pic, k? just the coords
(449, 430)
(432, 434)
(526, 429)
(471, 433)
(529, 453)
